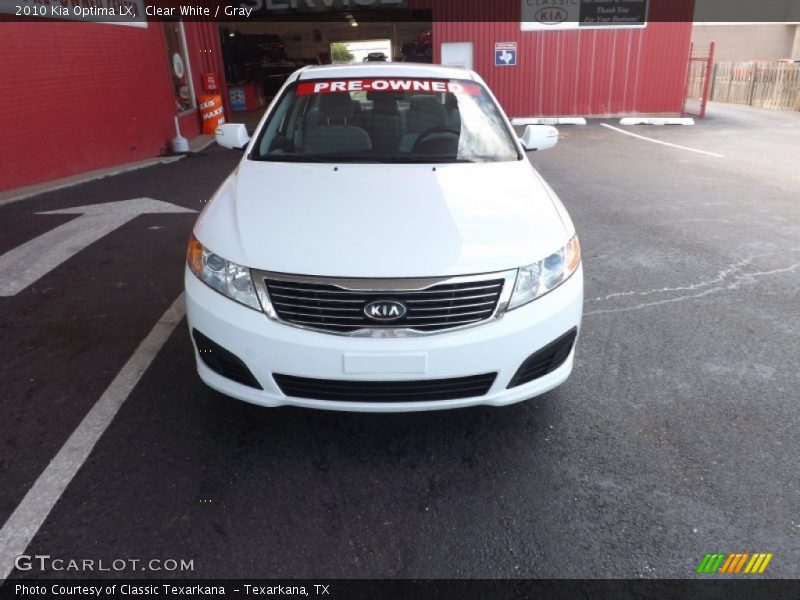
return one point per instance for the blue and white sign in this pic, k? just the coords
(505, 54)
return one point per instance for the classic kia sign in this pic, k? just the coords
(543, 15)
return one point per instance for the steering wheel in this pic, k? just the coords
(432, 131)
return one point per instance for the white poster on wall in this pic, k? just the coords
(457, 54)
(554, 15)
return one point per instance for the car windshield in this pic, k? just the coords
(385, 120)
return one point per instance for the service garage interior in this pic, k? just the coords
(259, 55)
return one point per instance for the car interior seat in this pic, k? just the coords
(384, 122)
(332, 129)
(425, 112)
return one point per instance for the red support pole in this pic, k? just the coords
(688, 77)
(707, 82)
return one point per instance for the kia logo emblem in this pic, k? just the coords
(550, 15)
(385, 310)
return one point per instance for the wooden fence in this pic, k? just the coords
(763, 84)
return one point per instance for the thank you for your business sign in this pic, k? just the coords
(543, 15)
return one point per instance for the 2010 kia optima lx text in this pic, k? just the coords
(384, 245)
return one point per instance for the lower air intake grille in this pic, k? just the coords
(223, 362)
(385, 391)
(545, 360)
(339, 310)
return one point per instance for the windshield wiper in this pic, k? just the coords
(402, 158)
(365, 158)
(415, 158)
(289, 157)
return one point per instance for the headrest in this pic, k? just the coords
(384, 104)
(337, 139)
(335, 106)
(381, 96)
(425, 102)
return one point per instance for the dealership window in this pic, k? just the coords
(183, 91)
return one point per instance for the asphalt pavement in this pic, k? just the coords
(676, 435)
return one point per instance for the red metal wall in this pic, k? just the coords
(205, 54)
(574, 72)
(85, 96)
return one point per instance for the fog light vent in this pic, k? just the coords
(223, 362)
(546, 360)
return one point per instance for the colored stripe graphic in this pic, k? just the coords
(758, 563)
(741, 562)
(710, 563)
(765, 563)
(733, 563)
(701, 568)
(718, 562)
(732, 560)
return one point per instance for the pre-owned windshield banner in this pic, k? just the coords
(416, 86)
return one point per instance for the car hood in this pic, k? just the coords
(377, 220)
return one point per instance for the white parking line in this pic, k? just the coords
(28, 517)
(29, 262)
(641, 137)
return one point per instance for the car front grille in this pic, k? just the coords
(385, 391)
(330, 307)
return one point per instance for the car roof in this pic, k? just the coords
(383, 69)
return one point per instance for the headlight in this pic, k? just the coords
(228, 278)
(539, 278)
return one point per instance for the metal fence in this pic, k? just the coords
(698, 80)
(773, 85)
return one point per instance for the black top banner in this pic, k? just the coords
(541, 14)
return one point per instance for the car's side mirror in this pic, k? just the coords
(232, 135)
(539, 137)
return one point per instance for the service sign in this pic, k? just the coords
(547, 15)
(415, 86)
(268, 7)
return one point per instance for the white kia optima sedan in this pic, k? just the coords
(384, 245)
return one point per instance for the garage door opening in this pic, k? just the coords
(361, 51)
(260, 55)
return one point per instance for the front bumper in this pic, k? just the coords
(496, 346)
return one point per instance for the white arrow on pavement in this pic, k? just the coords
(31, 261)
